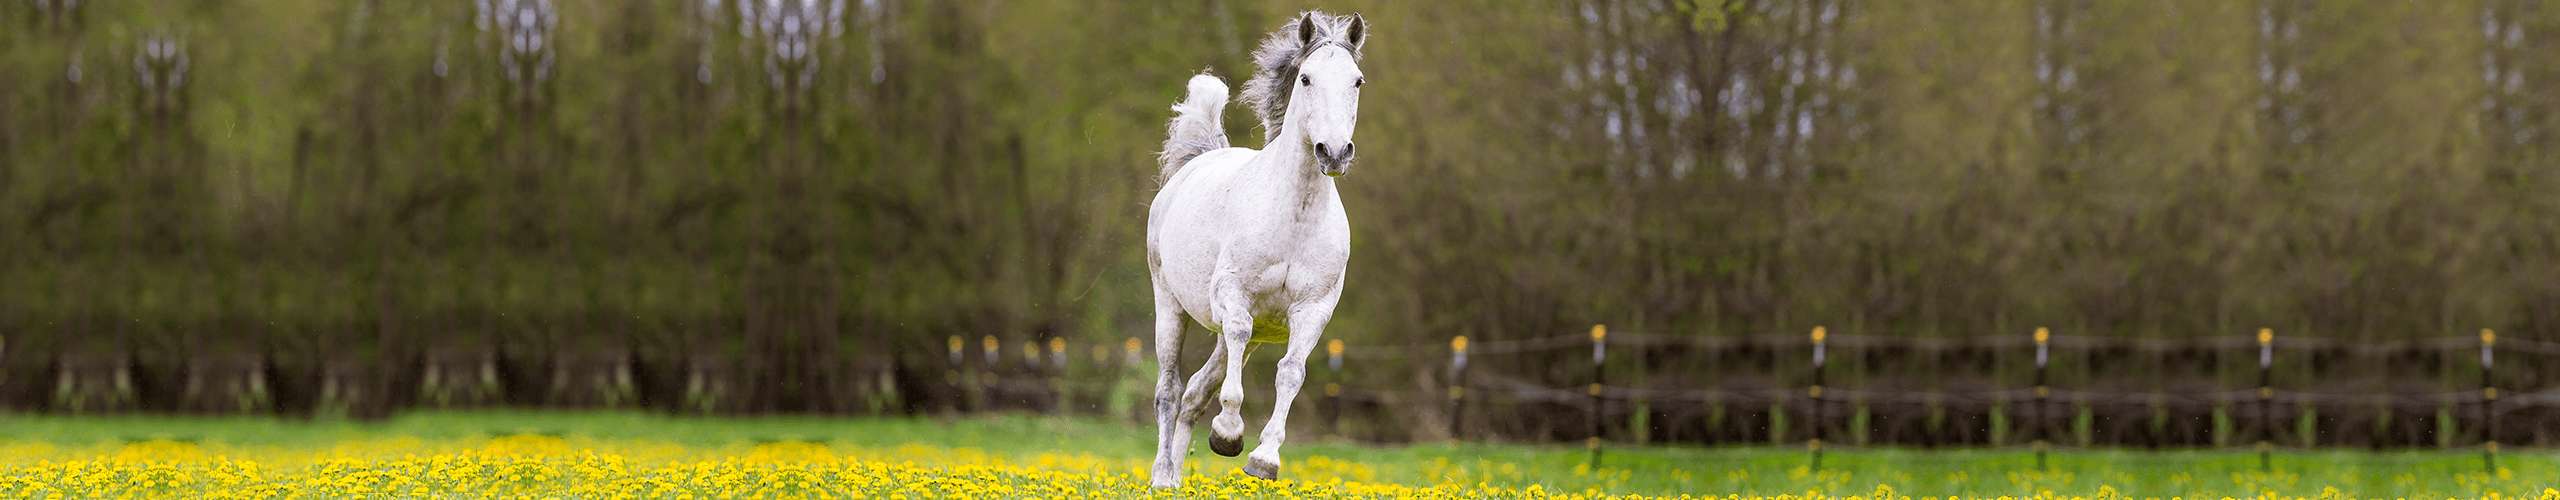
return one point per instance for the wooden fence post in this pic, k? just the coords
(1333, 387)
(1599, 360)
(1457, 387)
(1031, 374)
(951, 376)
(1815, 392)
(1130, 357)
(2488, 401)
(1102, 379)
(992, 351)
(2266, 398)
(2042, 396)
(1058, 388)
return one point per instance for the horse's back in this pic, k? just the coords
(1182, 193)
(1208, 169)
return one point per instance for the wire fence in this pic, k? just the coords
(2256, 406)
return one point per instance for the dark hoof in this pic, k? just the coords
(1226, 447)
(1261, 469)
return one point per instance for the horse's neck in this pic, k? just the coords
(1285, 167)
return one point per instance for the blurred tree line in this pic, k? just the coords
(747, 205)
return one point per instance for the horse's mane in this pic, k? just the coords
(1275, 64)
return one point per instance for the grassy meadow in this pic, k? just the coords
(628, 455)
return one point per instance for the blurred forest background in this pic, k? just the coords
(356, 206)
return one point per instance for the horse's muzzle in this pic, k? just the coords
(1333, 162)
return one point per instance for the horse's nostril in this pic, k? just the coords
(1321, 153)
(1346, 149)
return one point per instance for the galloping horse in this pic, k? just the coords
(1252, 244)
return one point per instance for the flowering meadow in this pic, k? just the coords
(552, 467)
(626, 456)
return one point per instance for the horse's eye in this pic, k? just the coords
(1304, 81)
(1357, 82)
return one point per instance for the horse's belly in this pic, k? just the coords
(1269, 330)
(1269, 309)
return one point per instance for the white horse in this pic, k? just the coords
(1253, 244)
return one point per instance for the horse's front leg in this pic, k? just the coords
(1234, 309)
(1306, 328)
(1173, 438)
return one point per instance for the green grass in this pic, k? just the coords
(1649, 470)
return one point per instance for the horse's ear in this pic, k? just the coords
(1359, 32)
(1306, 29)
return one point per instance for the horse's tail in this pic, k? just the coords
(1197, 125)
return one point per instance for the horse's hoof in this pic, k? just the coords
(1226, 446)
(1257, 468)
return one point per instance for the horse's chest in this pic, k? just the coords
(1312, 261)
(1269, 285)
(1270, 290)
(1277, 285)
(1291, 266)
(1274, 291)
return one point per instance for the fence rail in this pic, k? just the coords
(1598, 396)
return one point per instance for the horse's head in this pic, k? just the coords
(1328, 94)
(1309, 79)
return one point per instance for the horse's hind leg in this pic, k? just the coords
(1195, 395)
(1195, 399)
(1167, 472)
(1306, 327)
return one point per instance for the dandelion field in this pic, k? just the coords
(612, 455)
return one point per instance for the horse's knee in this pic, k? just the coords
(1192, 408)
(1291, 369)
(1168, 399)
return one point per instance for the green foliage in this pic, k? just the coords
(363, 177)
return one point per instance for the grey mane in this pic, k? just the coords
(1275, 65)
